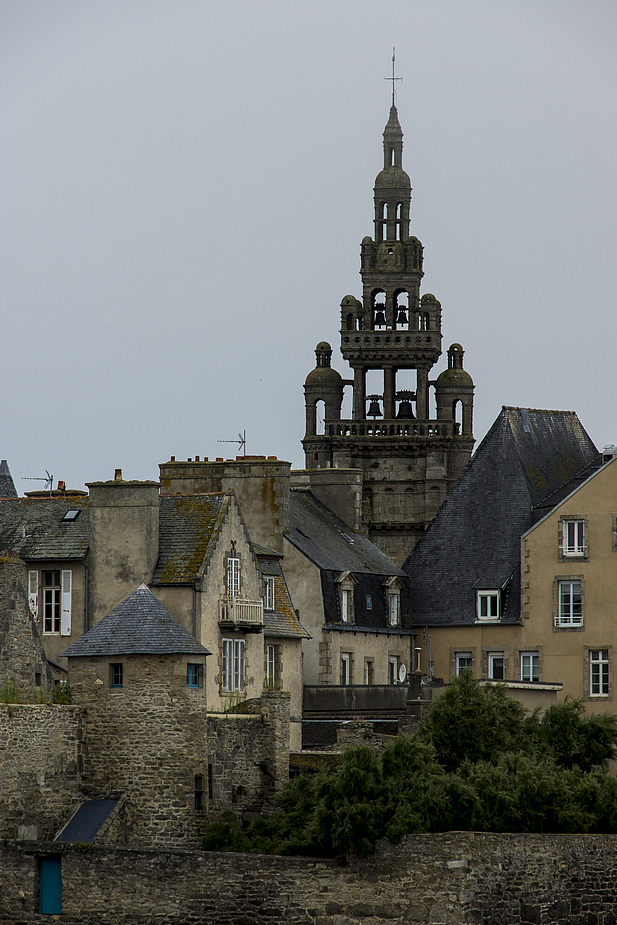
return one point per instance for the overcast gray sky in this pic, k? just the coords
(185, 185)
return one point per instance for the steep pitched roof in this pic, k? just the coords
(188, 525)
(7, 485)
(283, 620)
(36, 528)
(140, 625)
(329, 542)
(474, 540)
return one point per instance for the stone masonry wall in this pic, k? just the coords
(22, 658)
(458, 877)
(146, 739)
(40, 760)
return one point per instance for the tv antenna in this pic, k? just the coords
(240, 440)
(47, 478)
(393, 78)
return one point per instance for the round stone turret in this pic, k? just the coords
(454, 393)
(322, 384)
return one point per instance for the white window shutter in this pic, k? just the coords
(65, 626)
(33, 593)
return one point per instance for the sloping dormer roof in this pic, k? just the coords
(473, 543)
(140, 625)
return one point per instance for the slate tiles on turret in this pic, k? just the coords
(7, 485)
(140, 625)
(473, 543)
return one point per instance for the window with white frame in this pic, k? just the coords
(57, 594)
(273, 667)
(393, 669)
(464, 662)
(570, 603)
(232, 665)
(488, 605)
(345, 668)
(345, 605)
(394, 608)
(496, 666)
(530, 666)
(599, 673)
(269, 595)
(573, 540)
(369, 667)
(233, 577)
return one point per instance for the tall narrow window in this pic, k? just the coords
(496, 666)
(270, 665)
(233, 577)
(193, 675)
(52, 591)
(530, 666)
(232, 665)
(368, 671)
(269, 595)
(345, 668)
(393, 669)
(394, 609)
(199, 793)
(345, 605)
(116, 674)
(570, 603)
(599, 681)
(33, 593)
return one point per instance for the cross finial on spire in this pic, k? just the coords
(393, 78)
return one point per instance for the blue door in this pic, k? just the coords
(51, 886)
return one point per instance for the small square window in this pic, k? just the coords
(116, 674)
(488, 605)
(193, 675)
(464, 662)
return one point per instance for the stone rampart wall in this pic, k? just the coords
(438, 879)
(40, 761)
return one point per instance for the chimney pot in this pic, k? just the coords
(118, 475)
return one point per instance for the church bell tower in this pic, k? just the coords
(411, 443)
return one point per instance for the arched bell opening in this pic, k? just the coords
(424, 319)
(457, 415)
(401, 310)
(378, 300)
(320, 417)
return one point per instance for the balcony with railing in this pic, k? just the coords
(393, 428)
(245, 614)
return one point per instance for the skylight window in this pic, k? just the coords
(71, 515)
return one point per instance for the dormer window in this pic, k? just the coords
(269, 595)
(346, 583)
(488, 605)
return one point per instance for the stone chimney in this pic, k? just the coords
(260, 484)
(124, 541)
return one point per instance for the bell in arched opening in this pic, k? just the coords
(404, 409)
(380, 316)
(374, 411)
(401, 318)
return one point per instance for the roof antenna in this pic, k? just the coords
(241, 441)
(393, 78)
(48, 479)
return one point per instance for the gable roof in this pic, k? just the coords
(188, 525)
(283, 620)
(329, 542)
(473, 541)
(35, 527)
(139, 625)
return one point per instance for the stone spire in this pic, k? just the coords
(7, 486)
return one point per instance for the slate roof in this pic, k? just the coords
(35, 528)
(473, 542)
(87, 821)
(188, 524)
(329, 542)
(7, 485)
(140, 625)
(282, 621)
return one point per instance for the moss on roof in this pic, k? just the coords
(188, 524)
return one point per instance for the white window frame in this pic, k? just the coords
(459, 656)
(567, 603)
(530, 665)
(573, 537)
(345, 669)
(599, 672)
(233, 665)
(487, 602)
(393, 669)
(394, 608)
(67, 597)
(369, 671)
(272, 666)
(52, 604)
(233, 576)
(345, 605)
(493, 658)
(269, 595)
